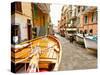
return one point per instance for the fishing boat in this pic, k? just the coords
(90, 42)
(37, 55)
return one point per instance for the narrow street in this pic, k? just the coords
(34, 48)
(74, 57)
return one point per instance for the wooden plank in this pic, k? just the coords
(44, 65)
(42, 59)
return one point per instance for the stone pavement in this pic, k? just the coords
(75, 57)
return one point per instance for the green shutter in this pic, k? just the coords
(35, 10)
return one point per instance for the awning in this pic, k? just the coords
(71, 29)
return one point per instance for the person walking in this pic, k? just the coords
(83, 34)
(71, 39)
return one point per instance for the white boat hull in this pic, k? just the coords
(90, 43)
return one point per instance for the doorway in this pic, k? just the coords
(29, 29)
(15, 34)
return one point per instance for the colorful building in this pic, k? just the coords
(41, 18)
(21, 21)
(58, 26)
(68, 20)
(29, 20)
(78, 19)
(88, 20)
(62, 21)
(71, 21)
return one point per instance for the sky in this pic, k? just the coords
(55, 13)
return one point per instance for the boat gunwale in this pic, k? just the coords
(59, 45)
(90, 39)
(85, 41)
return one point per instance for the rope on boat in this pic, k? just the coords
(33, 64)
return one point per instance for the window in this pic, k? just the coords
(83, 8)
(15, 30)
(16, 6)
(85, 19)
(94, 17)
(85, 31)
(28, 21)
(91, 32)
(81, 31)
(78, 9)
(70, 13)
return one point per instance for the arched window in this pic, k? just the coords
(91, 30)
(81, 31)
(85, 31)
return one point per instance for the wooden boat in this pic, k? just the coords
(49, 58)
(90, 42)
